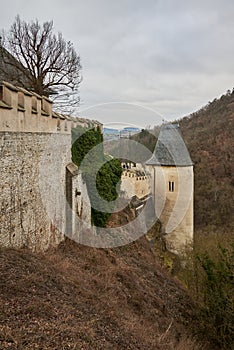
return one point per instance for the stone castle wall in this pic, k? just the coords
(134, 185)
(134, 181)
(35, 150)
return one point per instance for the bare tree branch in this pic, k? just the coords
(50, 64)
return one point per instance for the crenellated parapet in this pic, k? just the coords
(26, 111)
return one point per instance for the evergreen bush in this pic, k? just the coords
(101, 173)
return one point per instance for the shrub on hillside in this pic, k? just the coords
(218, 291)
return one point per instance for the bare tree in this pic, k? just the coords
(47, 64)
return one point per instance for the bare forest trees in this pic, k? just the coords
(42, 61)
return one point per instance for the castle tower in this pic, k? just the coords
(171, 173)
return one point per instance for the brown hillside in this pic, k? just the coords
(84, 298)
(209, 135)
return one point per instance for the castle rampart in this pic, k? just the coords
(24, 111)
(35, 150)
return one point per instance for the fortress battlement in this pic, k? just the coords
(38, 190)
(26, 111)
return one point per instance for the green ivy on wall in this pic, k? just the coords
(101, 173)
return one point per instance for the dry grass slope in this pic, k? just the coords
(78, 297)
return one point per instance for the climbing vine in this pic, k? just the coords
(102, 173)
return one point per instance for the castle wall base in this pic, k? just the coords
(24, 221)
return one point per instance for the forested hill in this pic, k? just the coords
(209, 136)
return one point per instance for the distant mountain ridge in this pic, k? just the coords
(115, 131)
(110, 131)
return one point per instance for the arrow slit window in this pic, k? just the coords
(171, 186)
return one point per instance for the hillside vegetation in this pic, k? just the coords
(97, 169)
(209, 135)
(78, 297)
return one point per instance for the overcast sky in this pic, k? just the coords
(142, 60)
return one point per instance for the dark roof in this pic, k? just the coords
(170, 149)
(12, 70)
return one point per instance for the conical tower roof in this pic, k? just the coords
(170, 149)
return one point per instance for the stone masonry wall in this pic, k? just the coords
(134, 182)
(133, 185)
(23, 220)
(35, 149)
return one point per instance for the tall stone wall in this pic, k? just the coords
(24, 220)
(78, 205)
(35, 150)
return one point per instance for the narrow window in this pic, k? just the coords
(1, 93)
(171, 186)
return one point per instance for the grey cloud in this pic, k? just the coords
(171, 55)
